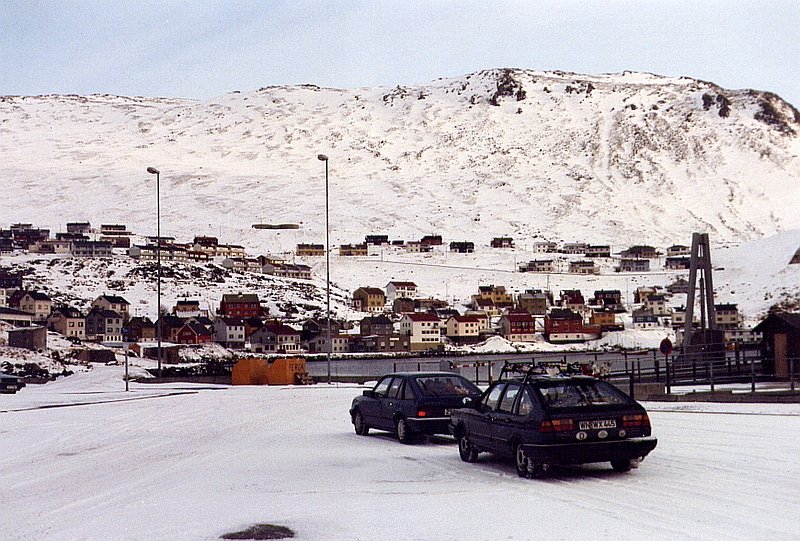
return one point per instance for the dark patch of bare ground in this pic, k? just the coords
(261, 531)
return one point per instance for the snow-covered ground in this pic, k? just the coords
(178, 461)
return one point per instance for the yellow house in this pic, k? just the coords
(463, 328)
(369, 299)
(496, 294)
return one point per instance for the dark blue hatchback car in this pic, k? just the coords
(541, 420)
(411, 403)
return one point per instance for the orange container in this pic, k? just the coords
(255, 371)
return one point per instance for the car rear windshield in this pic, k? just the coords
(581, 394)
(446, 386)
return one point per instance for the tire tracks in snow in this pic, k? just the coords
(96, 402)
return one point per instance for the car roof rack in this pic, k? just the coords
(554, 369)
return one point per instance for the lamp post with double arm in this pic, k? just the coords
(157, 173)
(324, 158)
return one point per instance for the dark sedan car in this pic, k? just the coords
(543, 420)
(10, 384)
(410, 403)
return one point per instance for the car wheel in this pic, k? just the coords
(521, 461)
(621, 464)
(538, 471)
(360, 425)
(466, 450)
(526, 467)
(404, 435)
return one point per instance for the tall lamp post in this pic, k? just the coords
(157, 173)
(324, 158)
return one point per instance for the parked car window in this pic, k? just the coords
(395, 387)
(408, 392)
(582, 394)
(493, 397)
(512, 390)
(446, 386)
(525, 403)
(383, 386)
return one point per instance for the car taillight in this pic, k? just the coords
(640, 419)
(422, 413)
(557, 425)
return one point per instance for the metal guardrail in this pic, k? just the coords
(670, 371)
(644, 366)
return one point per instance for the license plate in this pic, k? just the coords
(11, 387)
(597, 425)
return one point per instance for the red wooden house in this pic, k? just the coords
(572, 299)
(567, 326)
(193, 333)
(518, 327)
(240, 305)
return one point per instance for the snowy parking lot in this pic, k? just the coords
(83, 459)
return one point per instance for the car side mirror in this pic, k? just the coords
(369, 393)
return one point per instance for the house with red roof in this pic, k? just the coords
(518, 327)
(193, 333)
(423, 330)
(463, 329)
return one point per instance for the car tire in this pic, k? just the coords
(621, 465)
(538, 471)
(404, 434)
(360, 424)
(526, 467)
(521, 461)
(466, 450)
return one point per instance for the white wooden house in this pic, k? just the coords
(397, 290)
(422, 329)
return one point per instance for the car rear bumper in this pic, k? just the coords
(429, 425)
(11, 387)
(596, 451)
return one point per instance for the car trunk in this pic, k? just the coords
(440, 406)
(595, 424)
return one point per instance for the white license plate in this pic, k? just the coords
(597, 425)
(11, 387)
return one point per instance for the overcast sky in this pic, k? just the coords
(202, 49)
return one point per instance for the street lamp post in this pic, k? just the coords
(324, 158)
(157, 173)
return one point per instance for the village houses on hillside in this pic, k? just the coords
(397, 318)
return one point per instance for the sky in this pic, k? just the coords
(205, 48)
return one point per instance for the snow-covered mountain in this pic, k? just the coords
(614, 159)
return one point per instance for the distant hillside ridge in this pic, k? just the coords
(614, 158)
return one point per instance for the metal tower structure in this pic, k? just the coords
(708, 336)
